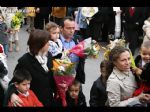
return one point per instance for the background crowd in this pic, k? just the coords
(53, 31)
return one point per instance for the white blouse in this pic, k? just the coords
(55, 48)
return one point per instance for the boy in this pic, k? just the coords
(74, 96)
(21, 81)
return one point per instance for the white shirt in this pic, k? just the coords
(55, 48)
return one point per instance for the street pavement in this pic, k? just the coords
(92, 68)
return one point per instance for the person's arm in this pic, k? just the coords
(11, 96)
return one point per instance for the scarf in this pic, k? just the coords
(43, 61)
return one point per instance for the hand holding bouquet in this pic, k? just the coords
(63, 76)
(86, 48)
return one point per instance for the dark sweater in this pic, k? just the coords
(98, 95)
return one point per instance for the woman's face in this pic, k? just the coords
(123, 62)
(54, 33)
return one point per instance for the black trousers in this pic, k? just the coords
(131, 36)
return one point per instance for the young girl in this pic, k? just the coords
(55, 43)
(21, 80)
(3, 34)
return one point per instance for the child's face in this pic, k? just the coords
(54, 33)
(103, 71)
(74, 91)
(145, 54)
(24, 86)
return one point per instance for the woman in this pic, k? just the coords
(121, 83)
(39, 63)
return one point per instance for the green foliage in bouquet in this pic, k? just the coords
(20, 15)
(62, 67)
(93, 50)
(15, 22)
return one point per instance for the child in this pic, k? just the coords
(3, 34)
(21, 80)
(55, 43)
(98, 95)
(143, 62)
(74, 96)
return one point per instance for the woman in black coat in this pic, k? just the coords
(39, 64)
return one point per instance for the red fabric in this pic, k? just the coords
(62, 83)
(144, 87)
(1, 48)
(131, 11)
(29, 101)
(78, 49)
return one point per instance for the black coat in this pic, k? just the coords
(98, 95)
(130, 21)
(146, 73)
(138, 61)
(42, 82)
(80, 74)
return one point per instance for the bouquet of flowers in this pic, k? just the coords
(117, 42)
(63, 76)
(16, 20)
(86, 48)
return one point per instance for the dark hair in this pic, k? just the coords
(66, 18)
(115, 53)
(107, 65)
(20, 75)
(37, 40)
(75, 83)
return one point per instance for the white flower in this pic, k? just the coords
(61, 68)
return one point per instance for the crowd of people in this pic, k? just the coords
(53, 31)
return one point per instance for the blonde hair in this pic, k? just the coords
(146, 44)
(51, 25)
(2, 17)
